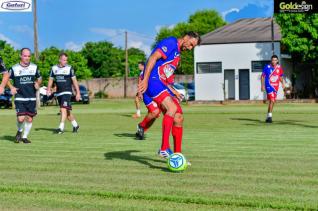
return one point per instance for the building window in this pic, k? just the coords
(209, 67)
(258, 66)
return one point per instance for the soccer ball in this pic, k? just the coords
(177, 162)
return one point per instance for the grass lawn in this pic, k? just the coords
(238, 161)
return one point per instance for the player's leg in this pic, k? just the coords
(71, 118)
(63, 117)
(167, 123)
(137, 104)
(20, 126)
(271, 101)
(27, 128)
(146, 123)
(177, 128)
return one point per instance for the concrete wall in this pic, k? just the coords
(233, 56)
(114, 87)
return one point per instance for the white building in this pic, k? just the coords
(230, 60)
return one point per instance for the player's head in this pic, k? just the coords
(274, 60)
(63, 59)
(25, 55)
(141, 65)
(190, 40)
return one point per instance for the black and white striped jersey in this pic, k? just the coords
(2, 66)
(63, 78)
(24, 78)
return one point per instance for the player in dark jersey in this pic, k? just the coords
(161, 65)
(64, 76)
(5, 75)
(26, 80)
(141, 67)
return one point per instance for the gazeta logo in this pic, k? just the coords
(16, 6)
(295, 6)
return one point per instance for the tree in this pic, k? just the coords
(299, 38)
(203, 21)
(8, 54)
(134, 57)
(50, 56)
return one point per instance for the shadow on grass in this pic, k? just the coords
(128, 135)
(8, 138)
(282, 122)
(126, 115)
(131, 156)
(45, 129)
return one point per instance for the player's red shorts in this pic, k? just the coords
(272, 96)
(176, 101)
(152, 107)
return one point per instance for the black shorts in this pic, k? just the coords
(65, 101)
(25, 108)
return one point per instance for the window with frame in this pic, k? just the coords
(258, 66)
(209, 67)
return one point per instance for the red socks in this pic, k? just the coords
(177, 138)
(166, 130)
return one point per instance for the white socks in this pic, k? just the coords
(20, 126)
(61, 126)
(74, 123)
(138, 112)
(269, 115)
(27, 129)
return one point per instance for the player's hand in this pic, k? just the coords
(36, 86)
(1, 90)
(142, 86)
(48, 92)
(140, 96)
(179, 96)
(77, 97)
(14, 90)
(263, 88)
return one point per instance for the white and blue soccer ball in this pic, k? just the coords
(177, 162)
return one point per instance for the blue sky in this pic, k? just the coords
(68, 24)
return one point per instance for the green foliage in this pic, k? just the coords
(8, 54)
(105, 60)
(203, 21)
(300, 35)
(135, 56)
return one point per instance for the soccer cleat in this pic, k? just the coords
(59, 131)
(18, 137)
(26, 141)
(165, 153)
(140, 134)
(269, 120)
(75, 129)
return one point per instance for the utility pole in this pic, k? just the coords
(272, 31)
(126, 65)
(36, 47)
(35, 30)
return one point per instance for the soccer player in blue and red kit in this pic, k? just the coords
(271, 77)
(161, 65)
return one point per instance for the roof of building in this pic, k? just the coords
(247, 30)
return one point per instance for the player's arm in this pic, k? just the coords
(77, 90)
(283, 82)
(175, 92)
(49, 87)
(143, 85)
(263, 83)
(4, 82)
(13, 89)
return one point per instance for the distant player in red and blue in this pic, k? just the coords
(272, 76)
(160, 67)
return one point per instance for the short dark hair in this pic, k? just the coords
(22, 49)
(194, 35)
(274, 57)
(63, 54)
(142, 63)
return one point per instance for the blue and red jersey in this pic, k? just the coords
(272, 76)
(165, 67)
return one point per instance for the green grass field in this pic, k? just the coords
(238, 162)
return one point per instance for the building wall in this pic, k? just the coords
(233, 56)
(114, 87)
